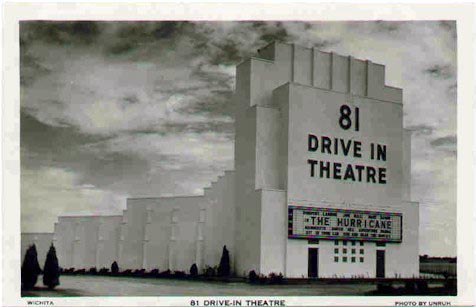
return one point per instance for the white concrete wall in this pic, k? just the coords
(176, 232)
(133, 234)
(248, 232)
(83, 242)
(407, 165)
(42, 242)
(274, 222)
(159, 232)
(402, 259)
(108, 241)
(218, 227)
(64, 236)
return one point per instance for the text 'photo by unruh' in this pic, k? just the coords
(238, 154)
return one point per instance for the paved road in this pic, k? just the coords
(125, 286)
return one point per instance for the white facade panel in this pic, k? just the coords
(108, 241)
(84, 242)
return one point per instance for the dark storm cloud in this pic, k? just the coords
(440, 71)
(444, 141)
(60, 33)
(131, 36)
(227, 43)
(200, 45)
(67, 148)
(30, 66)
(217, 103)
(227, 129)
(386, 26)
(450, 26)
(421, 129)
(55, 143)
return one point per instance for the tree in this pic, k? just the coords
(30, 268)
(51, 271)
(224, 267)
(193, 270)
(114, 268)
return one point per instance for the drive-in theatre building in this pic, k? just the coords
(321, 186)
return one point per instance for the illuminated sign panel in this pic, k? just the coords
(341, 224)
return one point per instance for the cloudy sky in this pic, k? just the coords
(111, 110)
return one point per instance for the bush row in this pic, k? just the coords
(271, 279)
(222, 270)
(130, 273)
(416, 287)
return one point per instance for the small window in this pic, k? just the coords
(313, 241)
(353, 251)
(344, 250)
(361, 259)
(361, 243)
(344, 242)
(344, 259)
(380, 243)
(353, 243)
(361, 251)
(336, 250)
(336, 242)
(352, 259)
(336, 259)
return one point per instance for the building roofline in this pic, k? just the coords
(165, 197)
(400, 103)
(85, 215)
(37, 233)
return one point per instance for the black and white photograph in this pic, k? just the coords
(236, 158)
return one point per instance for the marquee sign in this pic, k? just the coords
(342, 224)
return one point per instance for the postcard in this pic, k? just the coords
(237, 154)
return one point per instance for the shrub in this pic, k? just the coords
(385, 288)
(68, 271)
(450, 286)
(193, 270)
(166, 273)
(139, 273)
(154, 273)
(51, 270)
(224, 267)
(93, 271)
(126, 272)
(81, 271)
(103, 271)
(210, 272)
(180, 274)
(410, 286)
(30, 268)
(275, 279)
(114, 268)
(422, 286)
(252, 277)
(262, 279)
